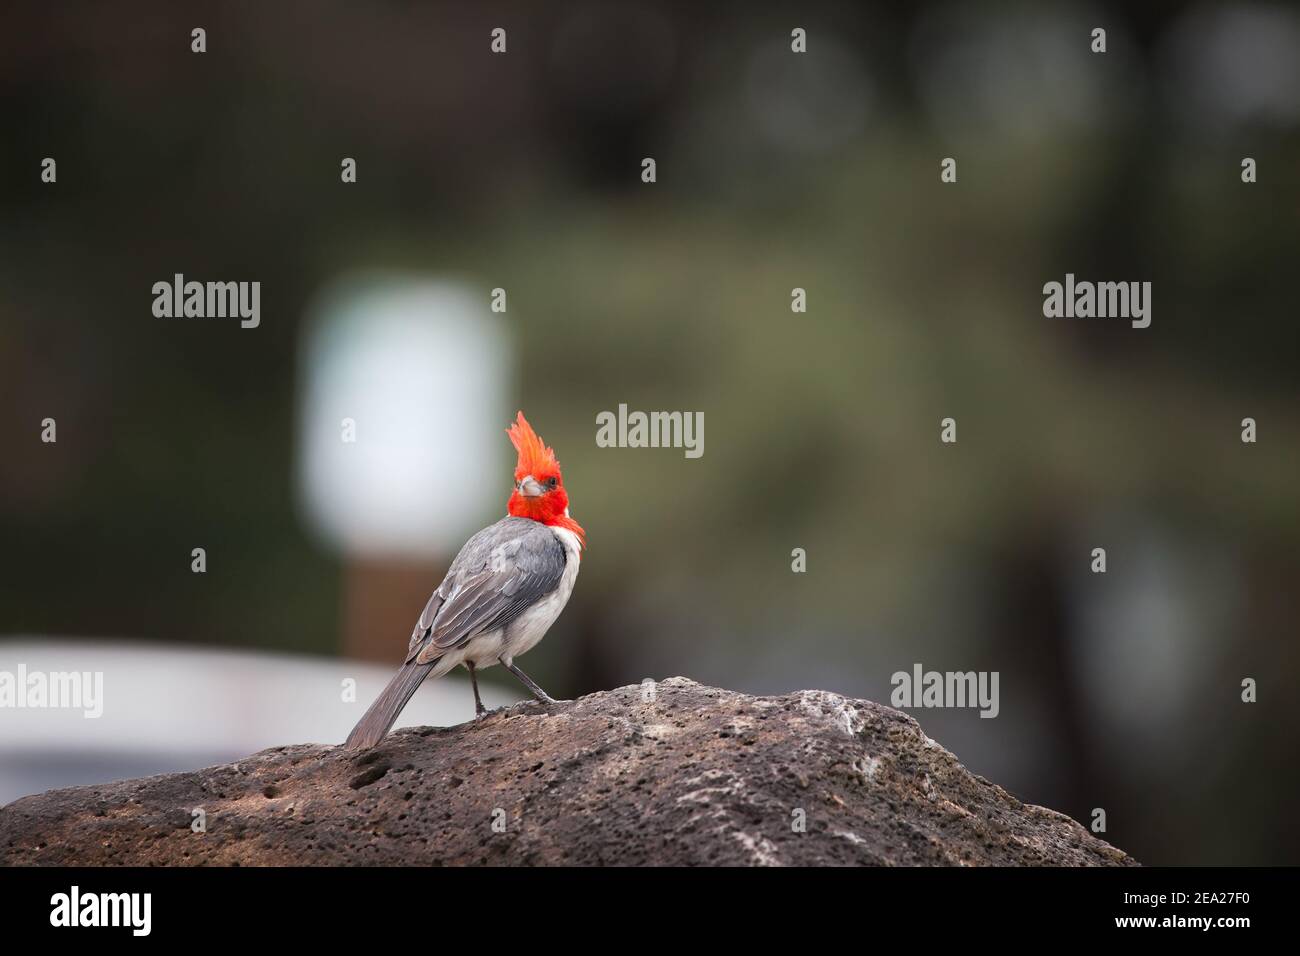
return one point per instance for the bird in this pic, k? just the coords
(502, 592)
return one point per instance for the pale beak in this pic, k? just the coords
(529, 487)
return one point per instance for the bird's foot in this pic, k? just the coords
(548, 700)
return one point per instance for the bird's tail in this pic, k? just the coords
(376, 721)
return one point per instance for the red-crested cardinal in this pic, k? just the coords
(501, 594)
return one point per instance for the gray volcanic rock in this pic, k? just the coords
(673, 773)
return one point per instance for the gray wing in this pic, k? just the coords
(500, 572)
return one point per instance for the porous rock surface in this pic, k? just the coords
(661, 773)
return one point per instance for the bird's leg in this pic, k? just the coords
(528, 682)
(479, 709)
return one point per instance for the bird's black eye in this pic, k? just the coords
(552, 482)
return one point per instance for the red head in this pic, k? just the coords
(539, 489)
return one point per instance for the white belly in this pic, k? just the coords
(524, 632)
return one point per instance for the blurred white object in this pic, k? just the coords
(168, 709)
(419, 368)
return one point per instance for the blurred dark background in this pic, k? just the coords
(775, 170)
